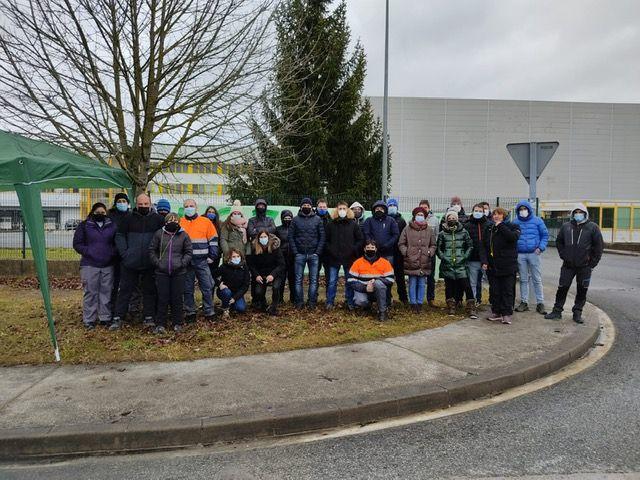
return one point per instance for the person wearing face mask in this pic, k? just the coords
(453, 248)
(532, 242)
(233, 279)
(163, 207)
(475, 226)
(306, 240)
(267, 270)
(212, 214)
(358, 213)
(94, 241)
(117, 213)
(261, 221)
(417, 245)
(371, 277)
(383, 229)
(233, 234)
(434, 223)
(456, 206)
(398, 262)
(204, 238)
(322, 211)
(580, 247)
(282, 232)
(170, 252)
(344, 243)
(132, 241)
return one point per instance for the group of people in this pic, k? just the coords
(154, 254)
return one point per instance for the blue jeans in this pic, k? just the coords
(475, 277)
(312, 261)
(364, 299)
(332, 284)
(417, 285)
(225, 295)
(530, 263)
(199, 269)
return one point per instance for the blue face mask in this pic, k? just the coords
(322, 211)
(263, 241)
(189, 211)
(122, 207)
(393, 210)
(236, 260)
(478, 215)
(578, 217)
(211, 216)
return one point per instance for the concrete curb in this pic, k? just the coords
(79, 440)
(628, 253)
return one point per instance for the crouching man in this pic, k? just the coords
(371, 277)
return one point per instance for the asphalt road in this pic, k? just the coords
(588, 426)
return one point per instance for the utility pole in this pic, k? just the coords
(385, 106)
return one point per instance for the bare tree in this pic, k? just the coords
(126, 79)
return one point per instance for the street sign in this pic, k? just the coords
(531, 159)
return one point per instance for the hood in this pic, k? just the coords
(284, 213)
(356, 204)
(524, 203)
(580, 206)
(350, 215)
(261, 201)
(380, 203)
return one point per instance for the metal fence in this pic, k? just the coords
(63, 211)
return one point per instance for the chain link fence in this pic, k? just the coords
(63, 211)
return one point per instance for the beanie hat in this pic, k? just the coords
(392, 201)
(120, 195)
(451, 213)
(261, 201)
(164, 205)
(418, 210)
(306, 200)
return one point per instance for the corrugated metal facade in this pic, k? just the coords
(446, 146)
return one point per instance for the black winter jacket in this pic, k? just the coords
(402, 224)
(344, 241)
(134, 237)
(236, 277)
(282, 232)
(500, 248)
(476, 230)
(260, 222)
(580, 245)
(170, 253)
(306, 234)
(265, 264)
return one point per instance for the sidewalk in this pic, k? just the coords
(54, 410)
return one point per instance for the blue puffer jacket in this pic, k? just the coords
(534, 233)
(384, 231)
(306, 234)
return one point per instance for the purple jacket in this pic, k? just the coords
(96, 244)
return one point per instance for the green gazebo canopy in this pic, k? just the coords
(28, 166)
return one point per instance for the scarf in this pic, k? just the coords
(240, 225)
(418, 226)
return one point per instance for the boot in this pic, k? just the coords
(432, 304)
(523, 307)
(419, 308)
(471, 309)
(554, 315)
(451, 306)
(577, 316)
(541, 309)
(382, 316)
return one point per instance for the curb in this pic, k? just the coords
(81, 440)
(628, 253)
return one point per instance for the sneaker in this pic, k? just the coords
(159, 330)
(225, 314)
(506, 320)
(177, 328)
(329, 306)
(553, 315)
(190, 318)
(494, 317)
(382, 316)
(523, 307)
(299, 306)
(540, 309)
(311, 306)
(115, 325)
(210, 318)
(577, 317)
(148, 322)
(90, 326)
(273, 311)
(105, 324)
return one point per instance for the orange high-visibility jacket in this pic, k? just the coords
(362, 270)
(203, 235)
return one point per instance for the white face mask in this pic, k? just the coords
(457, 208)
(419, 218)
(342, 213)
(524, 213)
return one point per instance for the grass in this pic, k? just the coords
(54, 253)
(24, 334)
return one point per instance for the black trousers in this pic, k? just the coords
(452, 286)
(398, 273)
(128, 281)
(170, 293)
(502, 293)
(259, 299)
(290, 279)
(583, 278)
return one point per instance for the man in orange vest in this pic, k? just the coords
(371, 277)
(204, 239)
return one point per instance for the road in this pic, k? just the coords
(588, 426)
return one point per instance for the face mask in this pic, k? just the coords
(357, 213)
(370, 253)
(236, 260)
(99, 217)
(236, 216)
(378, 214)
(306, 210)
(579, 217)
(524, 213)
(122, 207)
(452, 223)
(163, 213)
(478, 215)
(211, 216)
(261, 210)
(286, 222)
(189, 211)
(322, 211)
(456, 207)
(487, 213)
(419, 218)
(393, 210)
(172, 227)
(342, 213)
(143, 210)
(263, 241)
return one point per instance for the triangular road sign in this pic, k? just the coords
(520, 154)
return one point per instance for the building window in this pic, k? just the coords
(607, 217)
(624, 218)
(636, 218)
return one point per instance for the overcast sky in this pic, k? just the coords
(579, 50)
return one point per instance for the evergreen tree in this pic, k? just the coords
(317, 134)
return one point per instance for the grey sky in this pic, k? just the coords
(579, 50)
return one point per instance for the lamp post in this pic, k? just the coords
(385, 105)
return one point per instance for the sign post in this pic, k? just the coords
(531, 159)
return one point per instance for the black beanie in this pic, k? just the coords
(119, 196)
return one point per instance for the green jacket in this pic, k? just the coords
(232, 238)
(453, 248)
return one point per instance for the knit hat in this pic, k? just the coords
(120, 195)
(392, 201)
(418, 210)
(163, 205)
(261, 201)
(451, 213)
(172, 217)
(356, 205)
(98, 205)
(306, 200)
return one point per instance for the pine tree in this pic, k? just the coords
(317, 134)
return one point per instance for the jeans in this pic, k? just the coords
(199, 269)
(170, 292)
(225, 295)
(312, 261)
(96, 299)
(583, 279)
(332, 284)
(475, 277)
(530, 263)
(416, 289)
(364, 299)
(128, 281)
